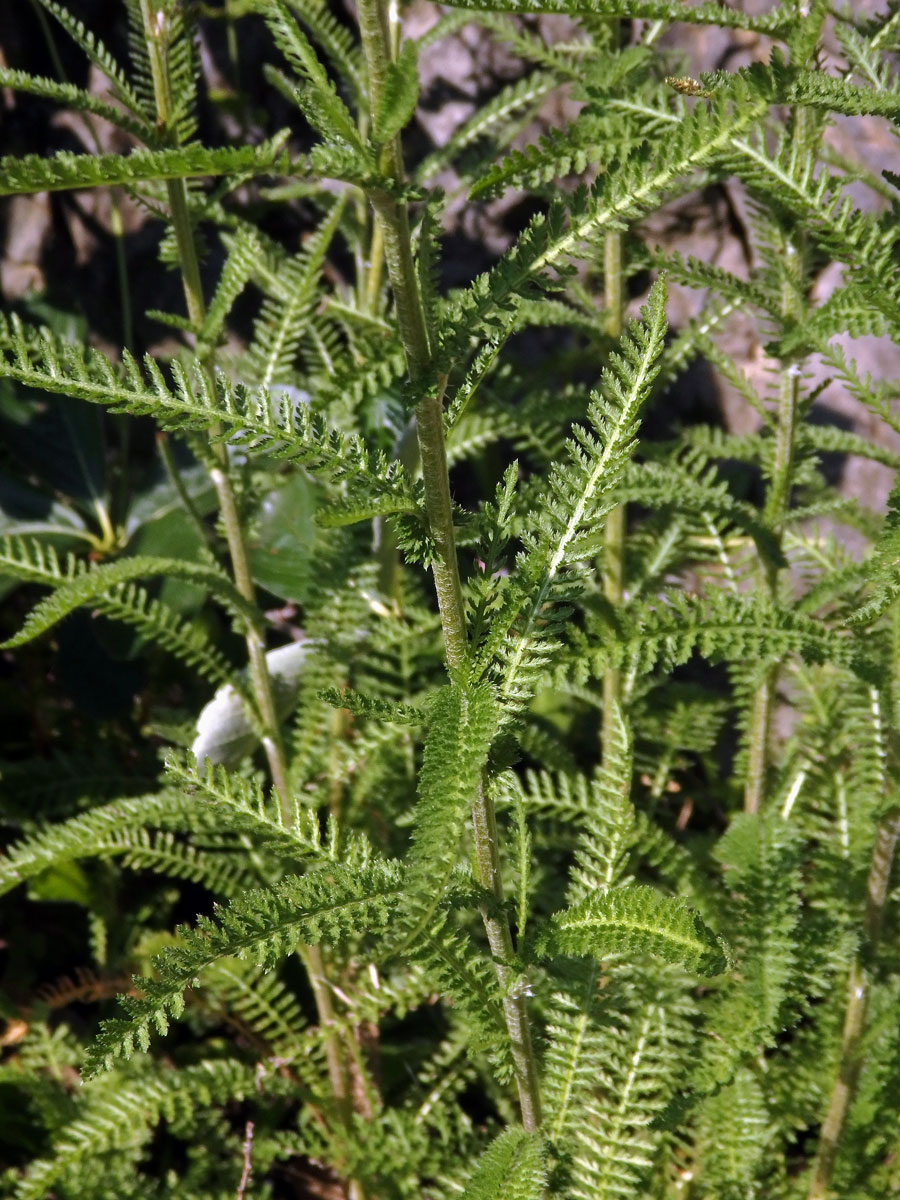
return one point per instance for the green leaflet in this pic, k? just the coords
(244, 251)
(317, 96)
(282, 426)
(66, 171)
(83, 584)
(201, 801)
(463, 724)
(158, 623)
(635, 920)
(734, 1130)
(884, 567)
(512, 1168)
(334, 39)
(488, 119)
(653, 10)
(75, 97)
(725, 626)
(123, 1120)
(576, 499)
(399, 96)
(762, 857)
(603, 849)
(469, 980)
(332, 903)
(95, 51)
(83, 835)
(698, 141)
(373, 707)
(291, 287)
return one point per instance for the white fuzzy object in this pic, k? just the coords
(225, 733)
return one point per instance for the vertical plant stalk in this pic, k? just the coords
(393, 219)
(261, 681)
(614, 535)
(851, 1061)
(155, 33)
(778, 498)
(779, 493)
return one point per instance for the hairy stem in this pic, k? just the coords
(758, 754)
(851, 1061)
(393, 219)
(778, 498)
(156, 35)
(261, 681)
(515, 1011)
(614, 537)
(228, 509)
(260, 678)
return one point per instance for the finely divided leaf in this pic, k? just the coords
(262, 926)
(635, 920)
(65, 171)
(84, 584)
(512, 1168)
(399, 95)
(463, 723)
(884, 565)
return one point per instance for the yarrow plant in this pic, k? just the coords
(453, 628)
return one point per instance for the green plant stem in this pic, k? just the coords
(778, 498)
(614, 534)
(228, 509)
(858, 990)
(164, 445)
(496, 926)
(259, 672)
(237, 549)
(393, 219)
(373, 270)
(758, 752)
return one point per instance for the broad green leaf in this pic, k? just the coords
(281, 550)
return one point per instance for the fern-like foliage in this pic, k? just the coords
(511, 1167)
(120, 1124)
(67, 171)
(77, 584)
(541, 826)
(579, 496)
(262, 926)
(463, 723)
(635, 920)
